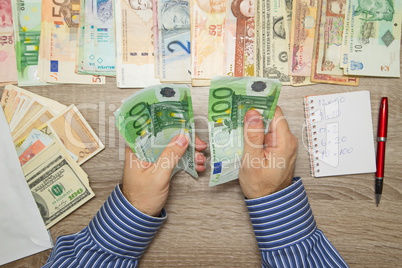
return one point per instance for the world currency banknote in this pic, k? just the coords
(174, 41)
(96, 38)
(150, 118)
(75, 133)
(60, 21)
(27, 18)
(134, 44)
(207, 29)
(33, 137)
(238, 37)
(229, 100)
(58, 185)
(65, 124)
(274, 49)
(328, 45)
(304, 15)
(155, 37)
(374, 38)
(7, 52)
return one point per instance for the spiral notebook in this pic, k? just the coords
(340, 133)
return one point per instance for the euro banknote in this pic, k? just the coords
(229, 100)
(150, 118)
(59, 44)
(27, 17)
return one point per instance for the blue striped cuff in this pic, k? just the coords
(282, 218)
(121, 229)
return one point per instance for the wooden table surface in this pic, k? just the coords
(209, 226)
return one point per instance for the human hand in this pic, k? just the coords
(146, 185)
(268, 160)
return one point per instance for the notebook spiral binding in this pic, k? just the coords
(312, 138)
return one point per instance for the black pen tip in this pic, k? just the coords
(377, 199)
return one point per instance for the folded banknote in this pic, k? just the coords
(229, 100)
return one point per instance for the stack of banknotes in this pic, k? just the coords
(51, 141)
(146, 42)
(150, 118)
(229, 100)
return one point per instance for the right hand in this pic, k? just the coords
(268, 160)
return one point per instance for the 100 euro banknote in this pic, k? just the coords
(150, 118)
(27, 31)
(229, 100)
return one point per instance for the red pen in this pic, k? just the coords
(381, 140)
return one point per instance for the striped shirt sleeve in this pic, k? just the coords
(117, 236)
(286, 231)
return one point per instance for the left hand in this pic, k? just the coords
(146, 185)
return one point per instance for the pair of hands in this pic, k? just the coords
(267, 164)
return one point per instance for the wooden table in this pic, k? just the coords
(209, 226)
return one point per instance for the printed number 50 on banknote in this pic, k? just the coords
(229, 100)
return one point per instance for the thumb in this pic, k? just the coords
(172, 154)
(253, 133)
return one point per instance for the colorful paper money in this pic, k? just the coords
(174, 41)
(27, 17)
(27, 111)
(328, 44)
(134, 44)
(302, 42)
(7, 52)
(374, 37)
(207, 28)
(273, 42)
(229, 100)
(239, 58)
(59, 37)
(58, 185)
(97, 38)
(150, 118)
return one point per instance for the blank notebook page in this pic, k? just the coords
(340, 134)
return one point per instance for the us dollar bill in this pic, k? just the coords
(150, 118)
(58, 184)
(229, 100)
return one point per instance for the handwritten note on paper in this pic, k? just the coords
(341, 133)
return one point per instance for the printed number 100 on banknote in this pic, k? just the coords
(229, 100)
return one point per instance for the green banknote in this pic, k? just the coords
(229, 100)
(150, 118)
(27, 28)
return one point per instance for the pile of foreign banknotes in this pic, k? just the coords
(150, 118)
(146, 42)
(51, 141)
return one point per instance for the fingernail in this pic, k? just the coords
(182, 140)
(254, 120)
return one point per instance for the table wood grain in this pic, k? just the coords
(209, 226)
